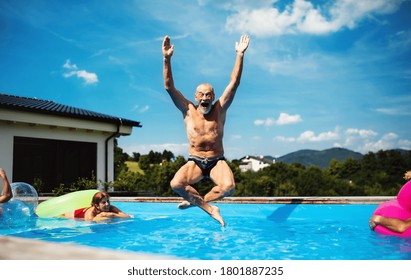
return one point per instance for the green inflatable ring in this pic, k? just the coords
(56, 206)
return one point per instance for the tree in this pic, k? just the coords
(120, 159)
(167, 155)
(136, 157)
(154, 157)
(144, 162)
(310, 182)
(378, 173)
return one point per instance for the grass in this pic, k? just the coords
(134, 167)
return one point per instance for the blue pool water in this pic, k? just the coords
(253, 232)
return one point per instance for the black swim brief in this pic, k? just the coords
(206, 164)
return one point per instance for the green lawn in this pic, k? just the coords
(134, 167)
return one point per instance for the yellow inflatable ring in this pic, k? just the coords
(57, 206)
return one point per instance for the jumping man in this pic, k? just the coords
(205, 128)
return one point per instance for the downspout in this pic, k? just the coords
(108, 139)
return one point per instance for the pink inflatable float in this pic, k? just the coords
(398, 208)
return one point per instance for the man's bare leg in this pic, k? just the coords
(216, 193)
(194, 198)
(223, 179)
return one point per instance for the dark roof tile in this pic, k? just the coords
(52, 108)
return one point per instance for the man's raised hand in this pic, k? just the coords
(241, 46)
(168, 49)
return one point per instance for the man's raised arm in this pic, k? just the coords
(179, 100)
(228, 95)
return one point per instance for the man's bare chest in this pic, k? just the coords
(201, 126)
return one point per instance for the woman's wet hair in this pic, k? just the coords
(98, 197)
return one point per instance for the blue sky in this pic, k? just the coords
(317, 74)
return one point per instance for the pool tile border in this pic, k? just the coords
(272, 200)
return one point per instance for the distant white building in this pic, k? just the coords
(255, 163)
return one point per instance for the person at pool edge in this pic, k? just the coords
(393, 224)
(7, 193)
(100, 209)
(205, 128)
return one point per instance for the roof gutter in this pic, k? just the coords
(119, 124)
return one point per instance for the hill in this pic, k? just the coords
(402, 151)
(319, 158)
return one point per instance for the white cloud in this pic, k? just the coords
(89, 78)
(70, 66)
(259, 122)
(387, 141)
(305, 17)
(144, 109)
(140, 109)
(362, 133)
(405, 144)
(365, 140)
(360, 140)
(285, 139)
(310, 136)
(401, 40)
(283, 119)
(394, 111)
(236, 137)
(266, 122)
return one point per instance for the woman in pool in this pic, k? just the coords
(100, 209)
(393, 224)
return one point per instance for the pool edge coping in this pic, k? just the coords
(15, 248)
(265, 200)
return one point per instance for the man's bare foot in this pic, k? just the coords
(215, 213)
(185, 204)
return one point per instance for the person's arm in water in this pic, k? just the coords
(179, 100)
(228, 95)
(114, 212)
(393, 224)
(407, 175)
(7, 193)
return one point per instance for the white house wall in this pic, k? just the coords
(258, 165)
(8, 130)
(253, 164)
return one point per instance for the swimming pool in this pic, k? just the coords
(253, 232)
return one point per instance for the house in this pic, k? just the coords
(255, 163)
(55, 143)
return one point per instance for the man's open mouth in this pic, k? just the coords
(205, 103)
